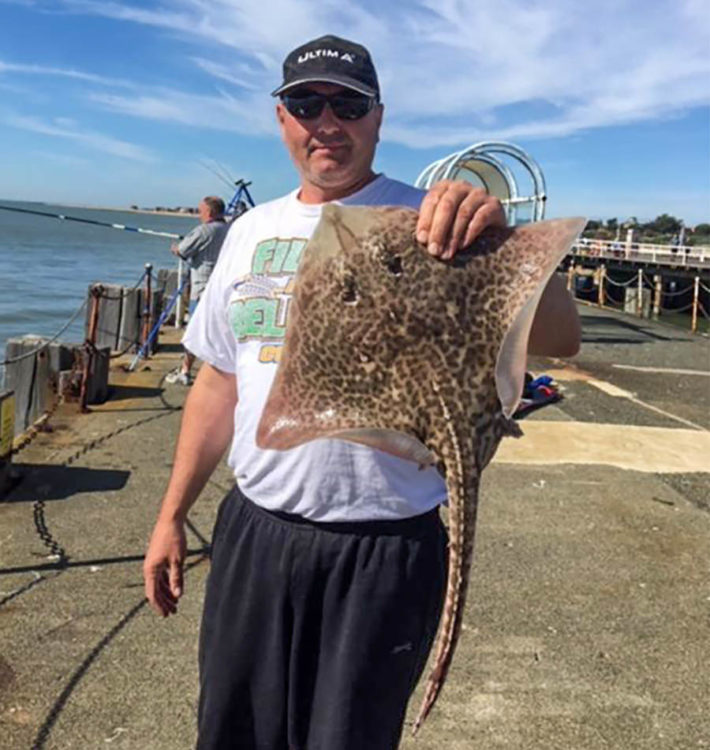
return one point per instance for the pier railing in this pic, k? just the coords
(645, 253)
(40, 373)
(641, 294)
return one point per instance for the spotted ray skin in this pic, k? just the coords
(390, 347)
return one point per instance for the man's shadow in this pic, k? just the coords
(32, 482)
(608, 330)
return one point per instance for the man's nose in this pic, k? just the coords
(327, 120)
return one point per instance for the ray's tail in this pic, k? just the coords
(462, 487)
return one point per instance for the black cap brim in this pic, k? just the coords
(327, 78)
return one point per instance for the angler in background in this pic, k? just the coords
(200, 249)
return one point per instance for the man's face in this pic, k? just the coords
(330, 153)
(203, 211)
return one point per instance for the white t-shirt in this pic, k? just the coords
(239, 328)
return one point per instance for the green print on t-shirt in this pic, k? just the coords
(257, 318)
(261, 312)
(276, 257)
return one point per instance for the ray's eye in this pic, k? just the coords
(349, 294)
(394, 265)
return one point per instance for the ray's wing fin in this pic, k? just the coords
(536, 250)
(288, 421)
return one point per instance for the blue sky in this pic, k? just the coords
(114, 103)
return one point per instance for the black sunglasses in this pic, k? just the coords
(307, 105)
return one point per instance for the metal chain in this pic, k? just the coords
(678, 309)
(45, 535)
(125, 350)
(135, 343)
(647, 279)
(676, 294)
(611, 302)
(621, 283)
(123, 294)
(12, 360)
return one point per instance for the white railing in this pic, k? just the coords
(675, 255)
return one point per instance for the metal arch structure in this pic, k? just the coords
(486, 164)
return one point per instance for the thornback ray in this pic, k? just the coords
(424, 359)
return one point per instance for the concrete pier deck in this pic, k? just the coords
(588, 621)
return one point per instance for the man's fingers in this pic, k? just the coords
(444, 214)
(427, 208)
(176, 578)
(466, 211)
(443, 220)
(490, 214)
(164, 596)
(153, 592)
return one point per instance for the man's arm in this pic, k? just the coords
(556, 330)
(192, 244)
(205, 432)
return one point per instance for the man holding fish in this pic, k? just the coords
(329, 560)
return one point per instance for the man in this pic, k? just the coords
(329, 560)
(200, 248)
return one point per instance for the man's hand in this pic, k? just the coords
(453, 213)
(162, 567)
(174, 249)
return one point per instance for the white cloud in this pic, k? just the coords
(452, 71)
(63, 128)
(239, 74)
(44, 70)
(220, 111)
(62, 159)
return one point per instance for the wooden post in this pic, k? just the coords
(629, 242)
(147, 294)
(657, 290)
(639, 294)
(7, 433)
(178, 306)
(602, 279)
(89, 346)
(696, 297)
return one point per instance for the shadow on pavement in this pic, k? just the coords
(603, 329)
(40, 481)
(171, 348)
(121, 392)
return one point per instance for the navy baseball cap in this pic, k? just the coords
(330, 59)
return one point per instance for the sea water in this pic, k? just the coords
(47, 264)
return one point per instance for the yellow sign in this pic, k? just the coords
(7, 424)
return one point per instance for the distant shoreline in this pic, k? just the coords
(149, 211)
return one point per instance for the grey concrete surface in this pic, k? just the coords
(588, 616)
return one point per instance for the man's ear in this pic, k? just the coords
(280, 113)
(379, 112)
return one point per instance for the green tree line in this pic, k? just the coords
(663, 230)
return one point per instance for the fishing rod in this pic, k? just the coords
(227, 180)
(175, 298)
(64, 217)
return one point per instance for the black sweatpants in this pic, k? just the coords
(315, 634)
